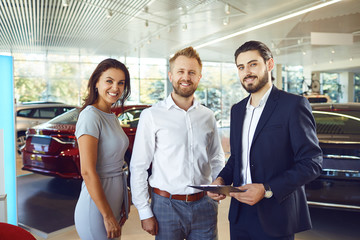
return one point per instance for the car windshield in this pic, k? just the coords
(130, 118)
(69, 117)
(339, 122)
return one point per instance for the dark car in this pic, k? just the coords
(338, 130)
(51, 148)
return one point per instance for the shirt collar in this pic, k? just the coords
(262, 101)
(170, 103)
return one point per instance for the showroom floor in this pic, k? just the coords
(327, 224)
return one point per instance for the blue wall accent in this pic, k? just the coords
(7, 123)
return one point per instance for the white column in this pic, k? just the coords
(347, 87)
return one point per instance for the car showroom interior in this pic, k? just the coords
(50, 48)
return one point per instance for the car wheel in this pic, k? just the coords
(20, 141)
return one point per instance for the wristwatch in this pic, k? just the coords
(268, 192)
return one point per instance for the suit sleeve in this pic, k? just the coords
(307, 160)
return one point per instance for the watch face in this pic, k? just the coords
(268, 194)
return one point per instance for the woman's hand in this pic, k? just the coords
(113, 228)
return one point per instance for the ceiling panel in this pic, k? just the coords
(157, 28)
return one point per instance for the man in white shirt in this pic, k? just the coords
(178, 137)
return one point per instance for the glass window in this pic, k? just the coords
(232, 91)
(356, 87)
(293, 80)
(152, 91)
(331, 86)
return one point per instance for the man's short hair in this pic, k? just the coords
(264, 51)
(189, 52)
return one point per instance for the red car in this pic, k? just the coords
(51, 148)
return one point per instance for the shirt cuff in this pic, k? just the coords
(145, 213)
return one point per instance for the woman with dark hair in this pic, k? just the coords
(102, 146)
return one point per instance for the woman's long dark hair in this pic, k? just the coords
(93, 95)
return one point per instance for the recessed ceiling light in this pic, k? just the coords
(109, 13)
(184, 27)
(227, 8)
(226, 21)
(65, 3)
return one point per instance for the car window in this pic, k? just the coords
(336, 123)
(130, 118)
(24, 113)
(47, 112)
(70, 117)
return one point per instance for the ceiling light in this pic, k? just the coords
(148, 41)
(350, 59)
(109, 13)
(277, 51)
(332, 51)
(331, 61)
(184, 27)
(303, 52)
(226, 21)
(267, 23)
(65, 3)
(227, 8)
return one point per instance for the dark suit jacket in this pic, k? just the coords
(284, 154)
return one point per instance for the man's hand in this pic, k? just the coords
(253, 194)
(217, 196)
(150, 225)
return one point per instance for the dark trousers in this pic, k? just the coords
(248, 227)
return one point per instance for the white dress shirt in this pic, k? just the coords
(183, 146)
(251, 120)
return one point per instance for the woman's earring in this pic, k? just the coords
(96, 90)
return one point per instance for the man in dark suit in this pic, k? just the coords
(274, 153)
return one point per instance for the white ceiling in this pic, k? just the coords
(154, 28)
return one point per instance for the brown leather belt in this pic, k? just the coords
(188, 198)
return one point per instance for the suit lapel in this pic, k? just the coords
(267, 112)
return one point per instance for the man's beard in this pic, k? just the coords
(254, 87)
(184, 92)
